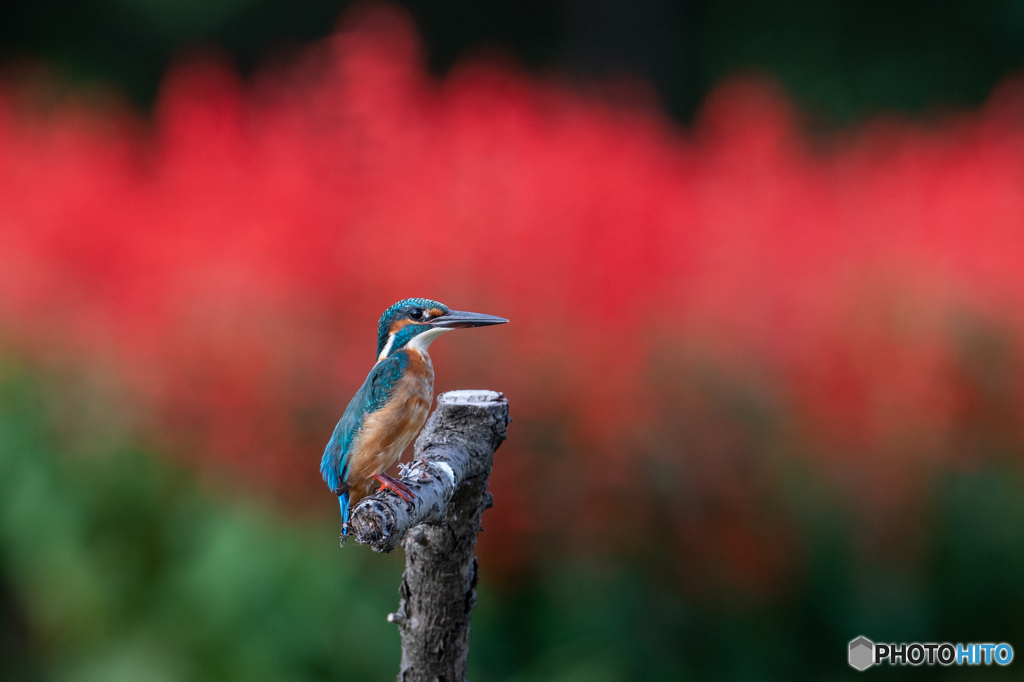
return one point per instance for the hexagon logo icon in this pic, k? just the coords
(862, 653)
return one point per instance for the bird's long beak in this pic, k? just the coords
(456, 319)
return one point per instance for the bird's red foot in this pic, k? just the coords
(400, 489)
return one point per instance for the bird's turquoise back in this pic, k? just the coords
(371, 396)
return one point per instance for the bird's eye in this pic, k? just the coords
(416, 313)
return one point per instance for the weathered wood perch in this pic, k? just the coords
(453, 458)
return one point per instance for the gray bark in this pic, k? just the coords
(453, 458)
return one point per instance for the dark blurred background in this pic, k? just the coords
(766, 399)
(840, 59)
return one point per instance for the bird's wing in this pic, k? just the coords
(370, 397)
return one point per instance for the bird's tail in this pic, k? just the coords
(343, 499)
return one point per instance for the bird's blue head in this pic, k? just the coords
(416, 322)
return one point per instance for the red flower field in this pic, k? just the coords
(694, 312)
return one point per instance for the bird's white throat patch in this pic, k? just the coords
(421, 342)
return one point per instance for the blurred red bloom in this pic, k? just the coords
(229, 260)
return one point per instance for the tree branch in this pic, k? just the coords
(453, 459)
(457, 444)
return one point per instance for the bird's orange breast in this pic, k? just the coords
(389, 431)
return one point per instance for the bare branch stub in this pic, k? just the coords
(439, 527)
(456, 445)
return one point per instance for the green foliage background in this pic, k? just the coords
(117, 566)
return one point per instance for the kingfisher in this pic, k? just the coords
(390, 408)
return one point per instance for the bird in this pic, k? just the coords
(390, 408)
